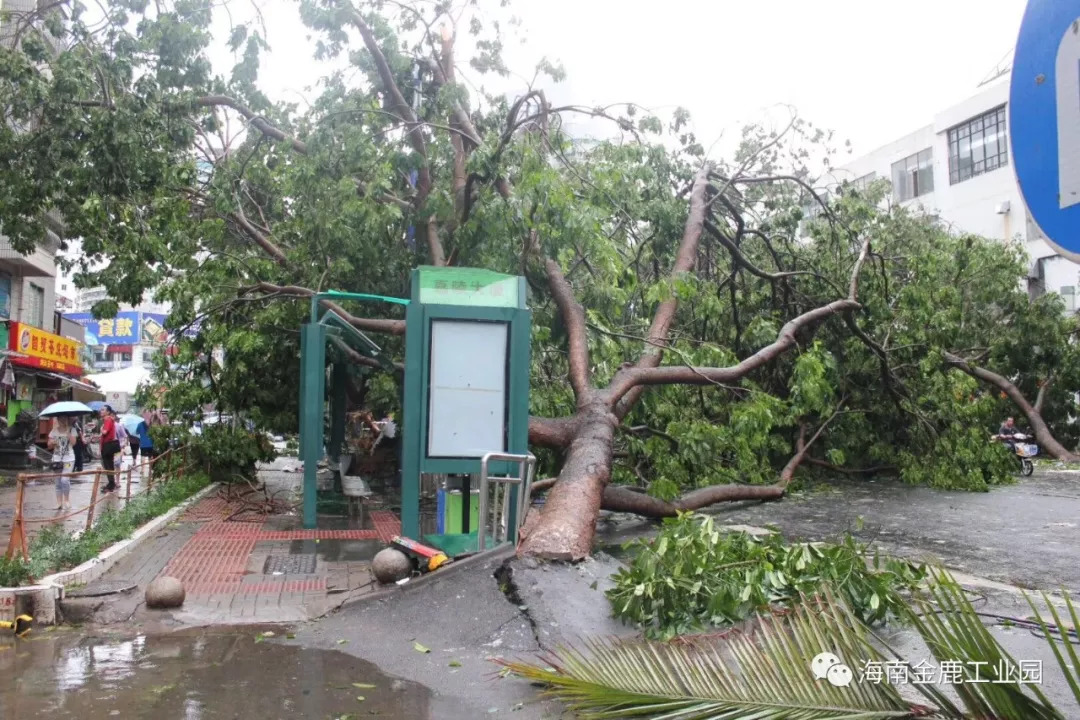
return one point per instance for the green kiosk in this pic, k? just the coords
(465, 405)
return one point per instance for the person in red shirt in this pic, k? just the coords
(110, 446)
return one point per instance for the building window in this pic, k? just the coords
(978, 146)
(1068, 294)
(913, 176)
(861, 184)
(35, 306)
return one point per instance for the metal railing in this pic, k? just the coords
(501, 487)
(17, 540)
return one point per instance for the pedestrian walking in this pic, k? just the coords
(110, 446)
(146, 442)
(80, 446)
(122, 440)
(134, 442)
(62, 440)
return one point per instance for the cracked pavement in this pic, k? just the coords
(500, 608)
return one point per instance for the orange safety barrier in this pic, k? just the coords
(17, 539)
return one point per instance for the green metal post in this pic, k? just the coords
(303, 392)
(411, 440)
(518, 432)
(313, 384)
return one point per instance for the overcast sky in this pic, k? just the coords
(869, 70)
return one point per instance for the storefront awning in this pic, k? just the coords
(72, 382)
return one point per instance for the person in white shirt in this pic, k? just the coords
(388, 433)
(62, 439)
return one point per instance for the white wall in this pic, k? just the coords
(989, 204)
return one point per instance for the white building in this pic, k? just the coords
(959, 168)
(85, 299)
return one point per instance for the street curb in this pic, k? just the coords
(45, 611)
(494, 555)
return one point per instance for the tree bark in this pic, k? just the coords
(566, 524)
(1038, 426)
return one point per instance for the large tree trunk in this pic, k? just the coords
(566, 524)
(1038, 426)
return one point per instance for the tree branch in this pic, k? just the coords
(556, 433)
(802, 445)
(1038, 425)
(574, 316)
(627, 378)
(260, 239)
(378, 325)
(741, 261)
(1044, 389)
(257, 121)
(621, 401)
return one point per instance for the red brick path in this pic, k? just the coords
(214, 561)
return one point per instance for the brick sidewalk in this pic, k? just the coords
(255, 568)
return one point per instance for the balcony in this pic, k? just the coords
(40, 263)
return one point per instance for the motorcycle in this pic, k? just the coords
(1024, 451)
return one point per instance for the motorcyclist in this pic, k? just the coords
(1008, 433)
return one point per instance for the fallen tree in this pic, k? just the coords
(670, 291)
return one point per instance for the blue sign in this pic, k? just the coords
(1044, 119)
(127, 328)
(120, 330)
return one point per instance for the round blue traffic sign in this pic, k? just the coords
(1044, 119)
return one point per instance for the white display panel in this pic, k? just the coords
(467, 401)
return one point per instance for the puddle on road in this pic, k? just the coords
(199, 676)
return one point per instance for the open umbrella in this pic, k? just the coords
(96, 405)
(67, 407)
(130, 422)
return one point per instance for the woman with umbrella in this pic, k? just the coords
(62, 439)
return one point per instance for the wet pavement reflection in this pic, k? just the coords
(208, 675)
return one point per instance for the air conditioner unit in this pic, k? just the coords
(1003, 208)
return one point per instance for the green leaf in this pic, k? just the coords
(420, 648)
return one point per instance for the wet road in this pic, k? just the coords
(1027, 534)
(205, 675)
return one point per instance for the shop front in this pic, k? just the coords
(40, 368)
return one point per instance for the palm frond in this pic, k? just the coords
(763, 674)
(986, 675)
(1068, 660)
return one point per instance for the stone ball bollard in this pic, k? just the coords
(165, 592)
(390, 565)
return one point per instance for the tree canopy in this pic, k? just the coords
(698, 334)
